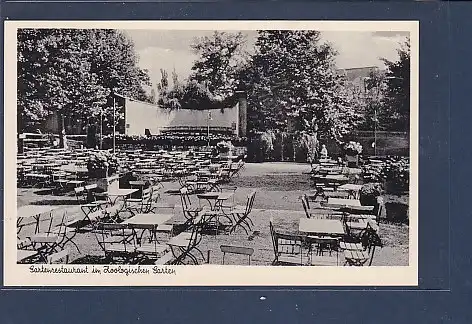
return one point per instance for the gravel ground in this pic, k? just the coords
(278, 187)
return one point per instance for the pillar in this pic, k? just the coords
(242, 102)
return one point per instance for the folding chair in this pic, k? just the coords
(87, 200)
(54, 239)
(147, 248)
(362, 252)
(184, 245)
(139, 205)
(287, 247)
(323, 245)
(116, 242)
(190, 211)
(241, 216)
(58, 256)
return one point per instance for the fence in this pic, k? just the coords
(386, 143)
(287, 148)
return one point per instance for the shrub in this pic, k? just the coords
(396, 212)
(396, 174)
(352, 148)
(369, 193)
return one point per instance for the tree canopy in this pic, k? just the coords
(292, 80)
(396, 104)
(72, 72)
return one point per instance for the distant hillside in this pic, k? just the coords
(358, 74)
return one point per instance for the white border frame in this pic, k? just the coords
(208, 275)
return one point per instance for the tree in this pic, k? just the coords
(71, 73)
(292, 79)
(170, 98)
(220, 57)
(370, 102)
(54, 76)
(396, 104)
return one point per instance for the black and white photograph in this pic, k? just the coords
(210, 150)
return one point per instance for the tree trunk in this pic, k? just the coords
(282, 147)
(314, 145)
(62, 130)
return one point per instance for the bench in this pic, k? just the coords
(237, 250)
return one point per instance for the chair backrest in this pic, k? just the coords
(64, 254)
(184, 198)
(250, 202)
(370, 238)
(196, 234)
(109, 230)
(273, 236)
(325, 213)
(305, 206)
(331, 242)
(236, 249)
(146, 194)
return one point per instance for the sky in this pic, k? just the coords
(170, 49)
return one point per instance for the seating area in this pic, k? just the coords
(184, 207)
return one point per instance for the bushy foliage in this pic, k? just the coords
(72, 72)
(101, 164)
(396, 173)
(352, 148)
(369, 193)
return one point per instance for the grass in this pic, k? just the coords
(278, 187)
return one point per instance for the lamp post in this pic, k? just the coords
(208, 128)
(101, 128)
(377, 93)
(114, 121)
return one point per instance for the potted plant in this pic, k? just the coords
(225, 148)
(103, 166)
(352, 151)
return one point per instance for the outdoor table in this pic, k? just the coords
(332, 177)
(352, 188)
(344, 202)
(313, 226)
(32, 211)
(148, 219)
(39, 178)
(218, 197)
(120, 193)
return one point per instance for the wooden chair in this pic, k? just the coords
(86, 198)
(184, 246)
(147, 248)
(139, 205)
(326, 213)
(116, 242)
(191, 211)
(362, 252)
(237, 250)
(54, 238)
(241, 216)
(58, 256)
(326, 250)
(287, 247)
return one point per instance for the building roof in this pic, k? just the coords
(353, 74)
